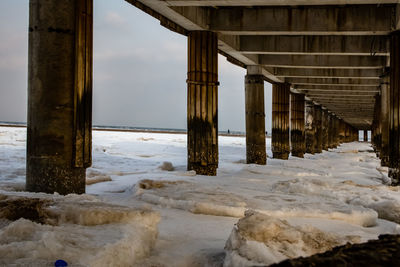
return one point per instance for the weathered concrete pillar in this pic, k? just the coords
(331, 131)
(255, 117)
(385, 103)
(336, 124)
(347, 133)
(318, 128)
(375, 128)
(341, 131)
(202, 104)
(365, 135)
(297, 125)
(59, 95)
(280, 120)
(325, 129)
(310, 128)
(394, 108)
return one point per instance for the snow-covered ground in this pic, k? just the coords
(254, 214)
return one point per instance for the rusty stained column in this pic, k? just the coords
(385, 103)
(331, 131)
(297, 133)
(310, 128)
(365, 135)
(336, 123)
(394, 131)
(202, 103)
(377, 125)
(347, 136)
(59, 95)
(325, 129)
(280, 120)
(255, 119)
(318, 128)
(341, 131)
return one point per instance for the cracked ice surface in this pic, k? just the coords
(335, 197)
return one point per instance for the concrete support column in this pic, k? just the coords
(325, 129)
(385, 103)
(202, 104)
(318, 128)
(375, 129)
(297, 133)
(255, 118)
(365, 135)
(336, 125)
(310, 128)
(347, 133)
(331, 131)
(280, 120)
(59, 95)
(394, 108)
(341, 131)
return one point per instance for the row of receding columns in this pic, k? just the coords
(312, 128)
(385, 131)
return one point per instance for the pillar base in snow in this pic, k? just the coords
(278, 155)
(47, 178)
(298, 154)
(394, 173)
(385, 161)
(256, 154)
(209, 170)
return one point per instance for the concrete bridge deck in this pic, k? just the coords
(302, 39)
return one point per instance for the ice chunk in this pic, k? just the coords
(259, 240)
(78, 229)
(167, 166)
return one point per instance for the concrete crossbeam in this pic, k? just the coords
(335, 87)
(328, 73)
(336, 92)
(327, 94)
(321, 20)
(328, 61)
(317, 45)
(333, 81)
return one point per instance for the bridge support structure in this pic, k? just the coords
(255, 117)
(318, 128)
(297, 133)
(280, 120)
(384, 118)
(310, 128)
(202, 103)
(394, 109)
(59, 95)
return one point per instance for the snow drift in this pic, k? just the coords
(259, 240)
(38, 229)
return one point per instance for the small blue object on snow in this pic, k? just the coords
(60, 263)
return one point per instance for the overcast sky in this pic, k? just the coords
(139, 70)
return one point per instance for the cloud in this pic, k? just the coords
(114, 19)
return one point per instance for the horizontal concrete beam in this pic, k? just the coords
(328, 73)
(333, 81)
(333, 94)
(349, 99)
(317, 45)
(321, 20)
(272, 2)
(313, 61)
(336, 87)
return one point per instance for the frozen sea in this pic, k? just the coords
(143, 208)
